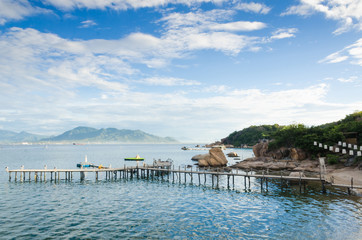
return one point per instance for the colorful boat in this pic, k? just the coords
(85, 164)
(137, 158)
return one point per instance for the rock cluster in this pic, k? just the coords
(232, 154)
(215, 158)
(272, 164)
(261, 150)
(279, 159)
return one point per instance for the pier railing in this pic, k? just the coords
(170, 174)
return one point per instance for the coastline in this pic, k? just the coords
(337, 174)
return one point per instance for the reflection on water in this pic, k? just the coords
(161, 209)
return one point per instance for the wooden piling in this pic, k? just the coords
(185, 174)
(111, 173)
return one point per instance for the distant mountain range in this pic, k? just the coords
(85, 135)
(13, 137)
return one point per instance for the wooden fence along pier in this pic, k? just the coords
(185, 175)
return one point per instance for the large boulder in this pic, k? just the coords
(280, 153)
(215, 158)
(297, 154)
(199, 156)
(232, 154)
(260, 149)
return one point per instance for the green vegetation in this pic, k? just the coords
(332, 159)
(299, 135)
(251, 135)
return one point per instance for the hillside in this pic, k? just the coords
(299, 135)
(251, 135)
(87, 134)
(11, 137)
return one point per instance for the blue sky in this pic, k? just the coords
(195, 70)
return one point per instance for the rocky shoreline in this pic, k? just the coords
(295, 160)
(264, 163)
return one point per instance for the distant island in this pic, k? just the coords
(86, 135)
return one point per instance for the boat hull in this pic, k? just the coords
(134, 159)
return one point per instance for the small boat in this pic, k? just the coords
(85, 164)
(137, 158)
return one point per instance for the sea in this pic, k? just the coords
(161, 209)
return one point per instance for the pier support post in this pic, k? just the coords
(261, 184)
(45, 167)
(185, 174)
(233, 181)
(300, 182)
(173, 174)
(137, 171)
(266, 183)
(323, 187)
(179, 174)
(217, 178)
(82, 176)
(21, 173)
(191, 175)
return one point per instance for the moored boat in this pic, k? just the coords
(137, 158)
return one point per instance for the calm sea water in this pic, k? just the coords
(137, 209)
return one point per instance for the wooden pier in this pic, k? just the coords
(185, 175)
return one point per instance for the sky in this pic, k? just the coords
(194, 70)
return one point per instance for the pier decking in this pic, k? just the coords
(171, 174)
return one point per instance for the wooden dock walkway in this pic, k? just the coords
(171, 174)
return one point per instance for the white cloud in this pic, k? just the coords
(17, 10)
(43, 60)
(238, 26)
(88, 23)
(352, 52)
(164, 81)
(253, 7)
(209, 30)
(123, 4)
(347, 12)
(351, 79)
(284, 33)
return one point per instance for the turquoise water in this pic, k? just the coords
(137, 209)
